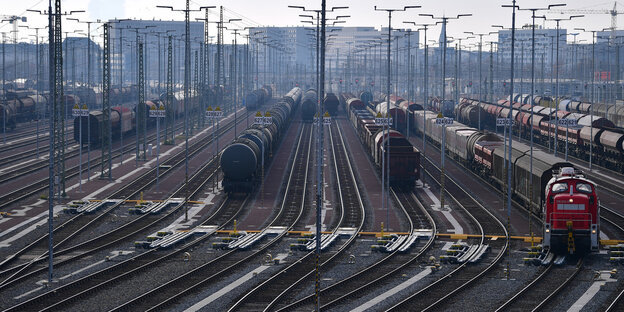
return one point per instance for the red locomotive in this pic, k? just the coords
(571, 218)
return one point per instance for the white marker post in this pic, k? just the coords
(262, 121)
(157, 113)
(215, 115)
(380, 120)
(78, 112)
(567, 123)
(443, 121)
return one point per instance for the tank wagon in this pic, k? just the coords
(258, 97)
(598, 133)
(331, 104)
(241, 160)
(308, 105)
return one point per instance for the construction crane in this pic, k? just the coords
(614, 13)
(13, 19)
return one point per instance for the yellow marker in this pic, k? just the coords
(382, 228)
(84, 106)
(218, 109)
(326, 114)
(162, 107)
(153, 107)
(378, 115)
(235, 231)
(258, 114)
(440, 115)
(209, 108)
(267, 114)
(141, 200)
(76, 106)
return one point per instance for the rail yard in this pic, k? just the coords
(185, 156)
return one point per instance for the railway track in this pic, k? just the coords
(107, 277)
(613, 218)
(70, 229)
(618, 302)
(12, 139)
(71, 151)
(269, 293)
(289, 214)
(31, 153)
(543, 289)
(372, 277)
(465, 275)
(42, 185)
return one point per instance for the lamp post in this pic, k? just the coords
(386, 160)
(319, 174)
(89, 101)
(4, 120)
(426, 86)
(187, 78)
(558, 20)
(510, 139)
(533, 11)
(234, 80)
(37, 86)
(593, 93)
(444, 20)
(54, 72)
(480, 63)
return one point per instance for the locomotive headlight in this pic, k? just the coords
(593, 231)
(571, 200)
(547, 230)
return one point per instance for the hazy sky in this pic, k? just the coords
(276, 13)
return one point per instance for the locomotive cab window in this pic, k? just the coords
(584, 188)
(559, 187)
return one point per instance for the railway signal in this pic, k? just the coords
(568, 122)
(383, 121)
(326, 119)
(504, 122)
(441, 120)
(157, 112)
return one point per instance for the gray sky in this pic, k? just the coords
(276, 13)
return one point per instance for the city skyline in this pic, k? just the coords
(277, 14)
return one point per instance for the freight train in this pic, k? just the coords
(484, 153)
(241, 160)
(610, 111)
(123, 119)
(404, 157)
(21, 106)
(257, 98)
(599, 134)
